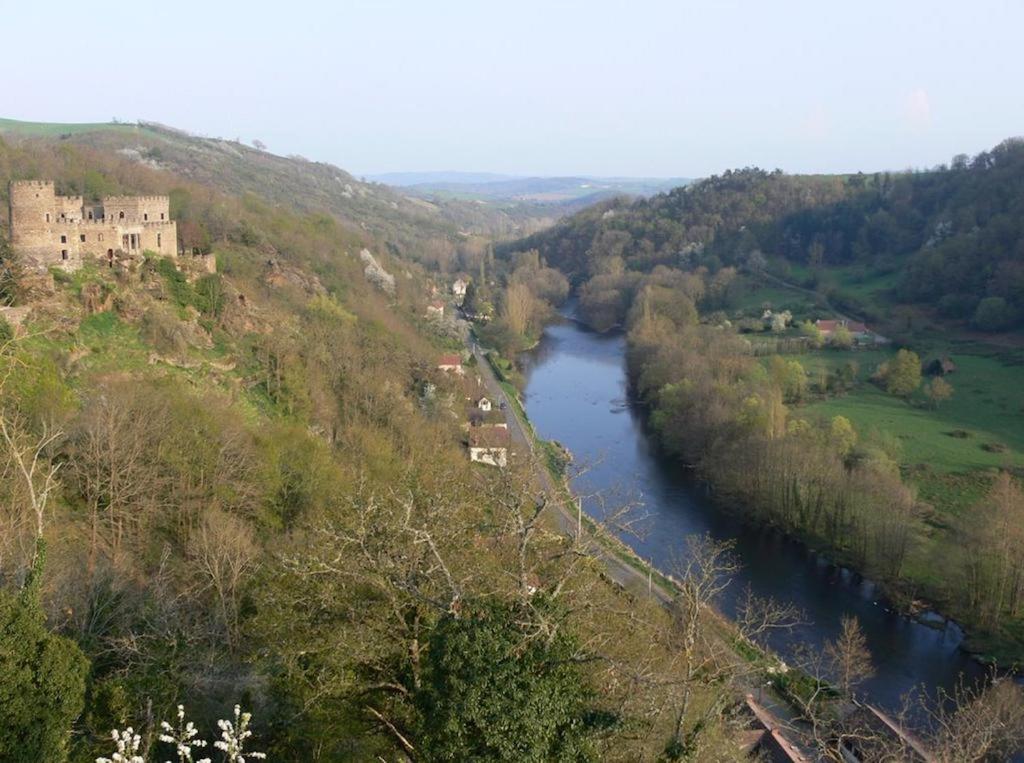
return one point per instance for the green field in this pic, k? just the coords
(57, 129)
(980, 429)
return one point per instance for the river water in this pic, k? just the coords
(576, 393)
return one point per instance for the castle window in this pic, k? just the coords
(120, 215)
(161, 215)
(90, 215)
(63, 254)
(63, 239)
(82, 238)
(145, 215)
(47, 217)
(157, 240)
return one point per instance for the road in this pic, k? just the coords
(565, 517)
(617, 569)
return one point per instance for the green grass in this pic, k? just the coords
(57, 129)
(987, 403)
(951, 472)
(752, 297)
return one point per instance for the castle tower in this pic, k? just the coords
(33, 205)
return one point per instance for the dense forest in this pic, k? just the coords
(954, 235)
(668, 270)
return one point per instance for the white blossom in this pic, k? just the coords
(127, 743)
(184, 737)
(233, 736)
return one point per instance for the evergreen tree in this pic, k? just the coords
(42, 680)
(494, 691)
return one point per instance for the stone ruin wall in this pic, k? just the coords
(62, 231)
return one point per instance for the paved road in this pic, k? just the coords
(565, 516)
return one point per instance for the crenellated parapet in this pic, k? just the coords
(62, 230)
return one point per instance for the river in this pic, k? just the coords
(576, 393)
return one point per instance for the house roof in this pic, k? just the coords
(854, 327)
(450, 359)
(489, 437)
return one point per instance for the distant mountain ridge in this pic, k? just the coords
(406, 179)
(493, 187)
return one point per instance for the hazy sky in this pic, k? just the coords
(644, 87)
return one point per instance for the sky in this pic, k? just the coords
(660, 88)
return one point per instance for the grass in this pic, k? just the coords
(753, 296)
(987, 405)
(58, 129)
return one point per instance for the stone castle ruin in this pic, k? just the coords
(51, 230)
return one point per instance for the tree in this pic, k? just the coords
(841, 338)
(518, 308)
(843, 435)
(993, 314)
(903, 374)
(42, 682)
(492, 690)
(974, 724)
(10, 273)
(849, 656)
(812, 332)
(938, 391)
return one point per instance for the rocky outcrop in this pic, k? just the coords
(375, 272)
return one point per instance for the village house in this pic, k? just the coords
(459, 289)
(489, 445)
(451, 363)
(435, 309)
(61, 231)
(483, 404)
(858, 331)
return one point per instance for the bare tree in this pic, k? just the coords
(28, 458)
(224, 550)
(849, 657)
(974, 724)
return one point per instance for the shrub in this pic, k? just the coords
(993, 314)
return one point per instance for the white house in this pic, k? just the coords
(483, 404)
(489, 445)
(459, 287)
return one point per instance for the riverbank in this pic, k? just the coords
(576, 393)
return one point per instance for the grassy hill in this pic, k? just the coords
(441, 233)
(59, 129)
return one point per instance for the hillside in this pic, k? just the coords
(895, 445)
(250, 486)
(439, 233)
(944, 242)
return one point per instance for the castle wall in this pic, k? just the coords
(137, 208)
(58, 230)
(68, 208)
